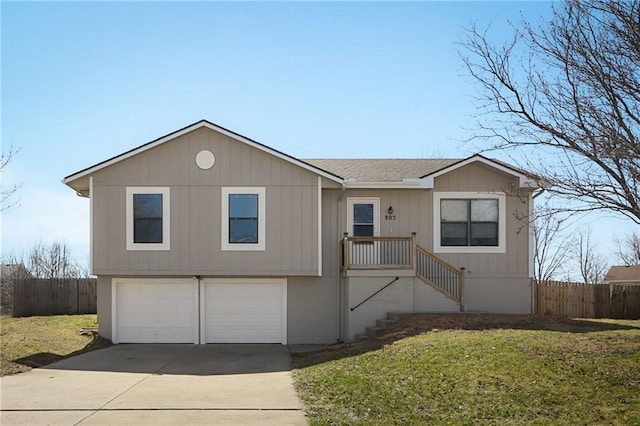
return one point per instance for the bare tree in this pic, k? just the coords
(565, 98)
(592, 265)
(552, 244)
(7, 199)
(628, 249)
(52, 260)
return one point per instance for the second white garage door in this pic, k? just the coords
(244, 311)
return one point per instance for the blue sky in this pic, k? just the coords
(84, 81)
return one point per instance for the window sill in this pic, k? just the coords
(469, 249)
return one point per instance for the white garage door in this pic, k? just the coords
(155, 310)
(244, 311)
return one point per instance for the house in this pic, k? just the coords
(623, 275)
(205, 235)
(8, 273)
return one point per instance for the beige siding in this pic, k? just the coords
(514, 263)
(104, 306)
(413, 210)
(291, 211)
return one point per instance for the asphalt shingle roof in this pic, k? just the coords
(623, 273)
(380, 169)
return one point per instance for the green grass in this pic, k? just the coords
(35, 341)
(568, 376)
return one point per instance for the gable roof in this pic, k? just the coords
(409, 173)
(356, 173)
(623, 274)
(190, 128)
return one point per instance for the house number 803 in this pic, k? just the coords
(390, 217)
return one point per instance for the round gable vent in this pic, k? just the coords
(205, 159)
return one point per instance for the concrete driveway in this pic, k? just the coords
(158, 384)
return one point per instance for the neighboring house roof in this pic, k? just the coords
(10, 271)
(363, 173)
(623, 274)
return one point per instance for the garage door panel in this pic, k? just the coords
(156, 311)
(245, 311)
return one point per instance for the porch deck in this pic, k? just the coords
(402, 253)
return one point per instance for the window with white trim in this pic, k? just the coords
(147, 215)
(243, 218)
(469, 222)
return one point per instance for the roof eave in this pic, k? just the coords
(524, 181)
(202, 123)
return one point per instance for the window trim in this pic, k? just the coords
(351, 201)
(166, 219)
(224, 225)
(500, 196)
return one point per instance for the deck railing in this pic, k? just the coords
(377, 253)
(440, 275)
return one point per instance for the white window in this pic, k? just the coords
(469, 222)
(148, 225)
(243, 218)
(363, 216)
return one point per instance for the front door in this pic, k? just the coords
(363, 220)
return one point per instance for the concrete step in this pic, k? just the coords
(383, 323)
(361, 337)
(393, 316)
(373, 331)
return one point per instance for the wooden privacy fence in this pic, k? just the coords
(578, 300)
(54, 296)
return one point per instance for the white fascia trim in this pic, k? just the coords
(404, 184)
(319, 226)
(502, 226)
(523, 180)
(224, 225)
(165, 245)
(191, 129)
(91, 197)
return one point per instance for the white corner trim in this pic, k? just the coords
(319, 226)
(91, 211)
(225, 191)
(166, 218)
(502, 226)
(114, 313)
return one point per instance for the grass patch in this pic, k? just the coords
(31, 342)
(582, 373)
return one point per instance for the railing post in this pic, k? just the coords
(345, 251)
(462, 270)
(414, 254)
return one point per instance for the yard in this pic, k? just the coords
(478, 369)
(35, 341)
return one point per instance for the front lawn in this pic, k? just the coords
(36, 341)
(571, 372)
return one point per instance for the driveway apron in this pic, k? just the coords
(158, 384)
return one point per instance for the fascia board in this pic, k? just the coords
(90, 170)
(523, 180)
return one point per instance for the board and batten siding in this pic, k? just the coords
(514, 263)
(413, 210)
(195, 211)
